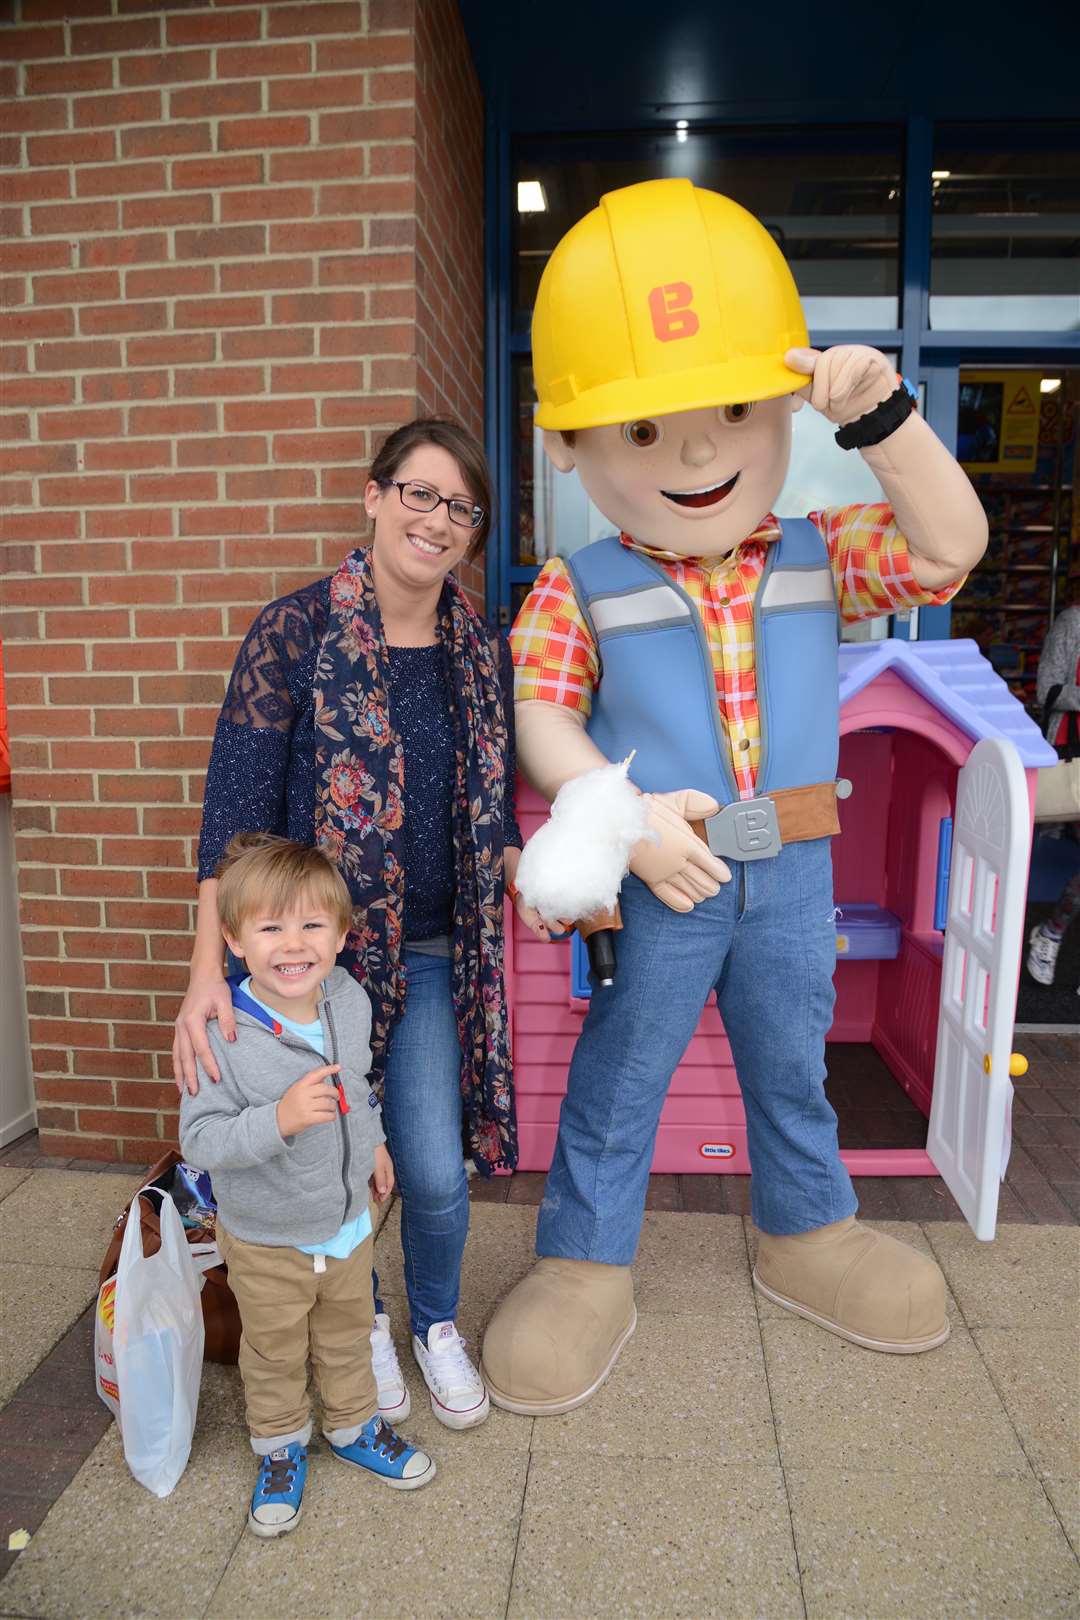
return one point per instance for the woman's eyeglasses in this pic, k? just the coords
(420, 498)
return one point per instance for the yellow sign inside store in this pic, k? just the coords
(998, 421)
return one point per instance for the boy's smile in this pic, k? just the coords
(288, 956)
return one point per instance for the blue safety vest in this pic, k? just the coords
(657, 693)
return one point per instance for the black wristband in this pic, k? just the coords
(878, 423)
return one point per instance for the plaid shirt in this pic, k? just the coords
(555, 655)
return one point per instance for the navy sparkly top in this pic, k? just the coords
(262, 765)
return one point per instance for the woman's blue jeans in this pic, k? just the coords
(422, 1118)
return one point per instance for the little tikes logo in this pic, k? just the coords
(717, 1150)
(672, 312)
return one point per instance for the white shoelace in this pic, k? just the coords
(453, 1366)
(384, 1361)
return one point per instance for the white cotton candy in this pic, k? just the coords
(573, 865)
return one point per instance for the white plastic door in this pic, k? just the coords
(971, 1112)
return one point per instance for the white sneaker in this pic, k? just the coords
(394, 1400)
(1042, 955)
(458, 1396)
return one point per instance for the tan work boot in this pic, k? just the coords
(557, 1335)
(860, 1284)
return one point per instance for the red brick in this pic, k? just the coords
(37, 323)
(293, 484)
(368, 197)
(235, 170)
(38, 458)
(367, 124)
(166, 67)
(266, 273)
(57, 78)
(93, 756)
(126, 522)
(61, 723)
(127, 107)
(144, 852)
(179, 487)
(68, 1032)
(172, 419)
(48, 255)
(141, 789)
(269, 343)
(284, 202)
(220, 451)
(30, 44)
(172, 819)
(97, 319)
(319, 90)
(169, 283)
(92, 883)
(115, 1065)
(95, 819)
(175, 622)
(87, 1092)
(125, 385)
(193, 755)
(215, 312)
(109, 1005)
(136, 722)
(170, 140)
(364, 51)
(91, 689)
(204, 28)
(222, 520)
(120, 179)
(96, 947)
(215, 100)
(317, 236)
(185, 688)
(276, 553)
(51, 658)
(75, 218)
(150, 212)
(269, 414)
(388, 86)
(321, 519)
(53, 1119)
(148, 248)
(344, 17)
(112, 1120)
(331, 163)
(16, 492)
(80, 491)
(109, 38)
(84, 147)
(221, 242)
(218, 382)
(125, 455)
(80, 424)
(260, 61)
(65, 1145)
(320, 447)
(77, 287)
(364, 268)
(70, 557)
(137, 589)
(321, 376)
(147, 976)
(149, 913)
(76, 356)
(88, 623)
(140, 1094)
(178, 348)
(46, 849)
(135, 656)
(260, 133)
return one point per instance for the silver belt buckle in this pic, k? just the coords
(745, 831)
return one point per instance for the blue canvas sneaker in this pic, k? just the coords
(386, 1455)
(279, 1492)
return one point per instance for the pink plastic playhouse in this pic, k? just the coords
(942, 761)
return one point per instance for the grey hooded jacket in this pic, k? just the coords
(274, 1189)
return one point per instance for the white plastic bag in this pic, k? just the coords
(156, 1350)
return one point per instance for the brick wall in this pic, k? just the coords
(236, 238)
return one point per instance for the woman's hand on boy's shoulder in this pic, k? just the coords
(206, 999)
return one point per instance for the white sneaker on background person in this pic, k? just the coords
(1042, 954)
(458, 1396)
(395, 1403)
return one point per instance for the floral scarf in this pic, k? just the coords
(359, 815)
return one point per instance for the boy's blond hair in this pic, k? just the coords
(262, 873)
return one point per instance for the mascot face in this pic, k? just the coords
(695, 483)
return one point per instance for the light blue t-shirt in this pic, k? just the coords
(352, 1234)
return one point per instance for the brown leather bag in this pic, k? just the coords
(221, 1315)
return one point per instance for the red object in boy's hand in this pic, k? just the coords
(343, 1102)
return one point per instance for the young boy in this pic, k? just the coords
(290, 1141)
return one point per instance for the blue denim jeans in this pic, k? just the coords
(422, 1117)
(767, 942)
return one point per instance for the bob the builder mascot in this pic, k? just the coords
(670, 352)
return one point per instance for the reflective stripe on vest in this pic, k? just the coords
(657, 691)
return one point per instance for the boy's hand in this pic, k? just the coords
(310, 1101)
(383, 1178)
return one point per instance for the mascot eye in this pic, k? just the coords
(643, 433)
(737, 413)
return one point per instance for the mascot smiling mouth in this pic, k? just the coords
(701, 497)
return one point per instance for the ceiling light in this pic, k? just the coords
(681, 129)
(1050, 385)
(682, 123)
(531, 197)
(941, 174)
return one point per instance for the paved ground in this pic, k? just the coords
(739, 1463)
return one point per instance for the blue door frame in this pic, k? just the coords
(933, 358)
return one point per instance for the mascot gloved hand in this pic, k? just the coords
(670, 352)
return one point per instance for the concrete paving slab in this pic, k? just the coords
(685, 1386)
(693, 1263)
(840, 1406)
(1028, 1277)
(1037, 1375)
(11, 1177)
(362, 1549)
(1065, 1496)
(221, 1397)
(904, 1231)
(905, 1544)
(62, 1218)
(109, 1547)
(38, 1309)
(604, 1537)
(499, 1251)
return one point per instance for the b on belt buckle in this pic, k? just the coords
(745, 831)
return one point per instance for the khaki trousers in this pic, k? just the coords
(288, 1309)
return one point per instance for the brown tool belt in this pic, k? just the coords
(801, 813)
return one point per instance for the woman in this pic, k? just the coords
(372, 713)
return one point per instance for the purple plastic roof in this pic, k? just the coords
(956, 678)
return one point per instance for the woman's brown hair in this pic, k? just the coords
(457, 442)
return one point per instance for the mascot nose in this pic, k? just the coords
(698, 451)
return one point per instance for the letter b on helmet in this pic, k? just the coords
(672, 312)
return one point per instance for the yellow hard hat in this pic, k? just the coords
(665, 298)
